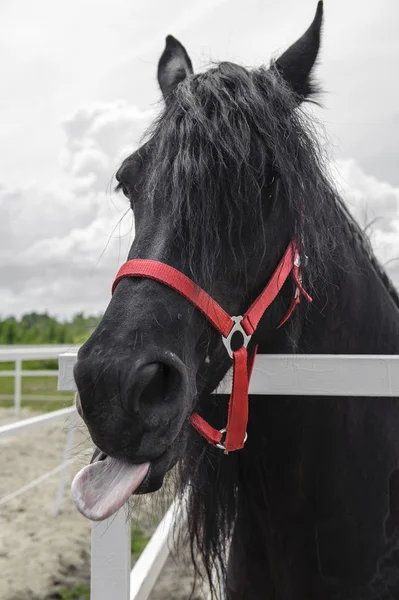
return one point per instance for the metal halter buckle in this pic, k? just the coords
(298, 263)
(236, 327)
(222, 446)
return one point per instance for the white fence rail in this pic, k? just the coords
(35, 422)
(297, 374)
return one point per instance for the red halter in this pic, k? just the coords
(242, 360)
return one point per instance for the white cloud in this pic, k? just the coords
(99, 137)
(375, 205)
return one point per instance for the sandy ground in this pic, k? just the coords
(41, 553)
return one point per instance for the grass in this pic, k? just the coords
(138, 542)
(30, 365)
(41, 406)
(37, 386)
(81, 592)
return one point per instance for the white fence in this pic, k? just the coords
(297, 374)
(13, 429)
(17, 354)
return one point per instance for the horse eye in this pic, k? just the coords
(124, 189)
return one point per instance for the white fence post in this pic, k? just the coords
(110, 558)
(17, 387)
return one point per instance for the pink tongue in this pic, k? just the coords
(102, 488)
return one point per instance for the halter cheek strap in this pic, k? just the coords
(243, 361)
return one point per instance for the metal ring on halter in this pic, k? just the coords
(222, 446)
(236, 327)
(298, 260)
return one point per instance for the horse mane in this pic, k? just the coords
(215, 148)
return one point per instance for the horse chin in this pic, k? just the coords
(157, 471)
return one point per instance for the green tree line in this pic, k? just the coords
(41, 328)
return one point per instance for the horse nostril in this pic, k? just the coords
(153, 383)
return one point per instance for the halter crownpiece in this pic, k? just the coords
(243, 361)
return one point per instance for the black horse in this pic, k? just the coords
(231, 172)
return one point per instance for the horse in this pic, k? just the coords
(228, 175)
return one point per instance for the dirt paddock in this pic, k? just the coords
(44, 556)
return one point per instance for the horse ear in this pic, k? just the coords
(174, 66)
(297, 62)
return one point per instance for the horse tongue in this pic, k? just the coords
(103, 487)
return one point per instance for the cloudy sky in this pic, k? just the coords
(79, 87)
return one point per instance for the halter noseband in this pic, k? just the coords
(243, 361)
